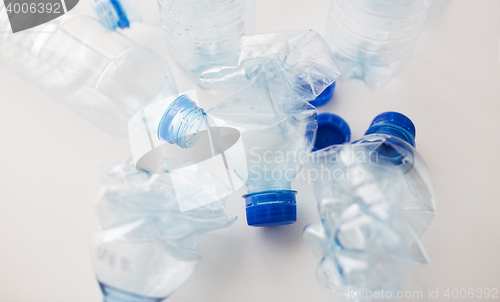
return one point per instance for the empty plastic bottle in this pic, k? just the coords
(99, 74)
(396, 135)
(273, 122)
(144, 249)
(373, 39)
(121, 13)
(276, 76)
(205, 33)
(376, 198)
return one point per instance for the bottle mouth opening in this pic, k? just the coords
(395, 124)
(396, 119)
(169, 115)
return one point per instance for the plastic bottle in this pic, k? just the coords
(144, 249)
(373, 39)
(272, 122)
(121, 13)
(376, 198)
(276, 76)
(99, 74)
(398, 152)
(205, 33)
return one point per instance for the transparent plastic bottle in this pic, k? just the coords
(376, 198)
(276, 75)
(121, 13)
(272, 122)
(144, 249)
(395, 134)
(99, 74)
(205, 33)
(373, 39)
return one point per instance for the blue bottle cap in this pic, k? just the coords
(271, 208)
(324, 97)
(169, 115)
(332, 130)
(394, 123)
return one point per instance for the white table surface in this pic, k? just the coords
(450, 89)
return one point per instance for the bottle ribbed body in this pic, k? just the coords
(374, 39)
(204, 34)
(99, 74)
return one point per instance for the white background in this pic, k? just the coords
(450, 89)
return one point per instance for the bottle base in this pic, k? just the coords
(112, 294)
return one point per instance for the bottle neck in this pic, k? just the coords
(182, 123)
(395, 148)
(393, 130)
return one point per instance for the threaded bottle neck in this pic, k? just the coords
(394, 124)
(182, 123)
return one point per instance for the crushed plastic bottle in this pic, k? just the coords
(144, 249)
(374, 39)
(376, 198)
(99, 74)
(306, 61)
(270, 88)
(115, 14)
(205, 33)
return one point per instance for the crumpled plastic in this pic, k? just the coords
(272, 119)
(373, 209)
(305, 59)
(269, 89)
(139, 210)
(130, 194)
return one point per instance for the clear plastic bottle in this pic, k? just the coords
(99, 74)
(376, 198)
(205, 33)
(121, 13)
(277, 74)
(273, 122)
(144, 249)
(373, 39)
(395, 134)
